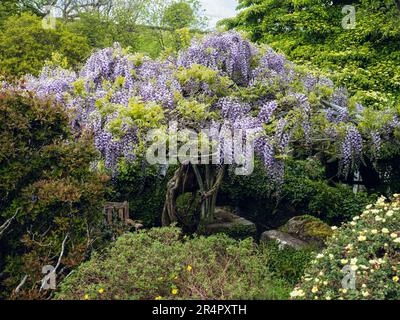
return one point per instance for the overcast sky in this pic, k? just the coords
(219, 9)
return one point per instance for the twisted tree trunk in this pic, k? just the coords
(208, 179)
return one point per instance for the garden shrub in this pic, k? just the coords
(161, 264)
(287, 263)
(369, 246)
(45, 178)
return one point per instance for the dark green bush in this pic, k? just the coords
(305, 191)
(145, 188)
(160, 264)
(287, 263)
(45, 178)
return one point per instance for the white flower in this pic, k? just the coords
(297, 293)
(319, 256)
(397, 240)
(368, 206)
(378, 218)
(356, 218)
(374, 231)
(354, 268)
(334, 228)
(385, 230)
(393, 235)
(353, 261)
(389, 213)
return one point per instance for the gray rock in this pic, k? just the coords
(283, 239)
(231, 224)
(309, 229)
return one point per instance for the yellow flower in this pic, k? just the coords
(395, 279)
(344, 261)
(189, 268)
(158, 298)
(174, 291)
(101, 290)
(86, 297)
(314, 289)
(362, 238)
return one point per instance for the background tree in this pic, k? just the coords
(365, 59)
(67, 9)
(178, 15)
(25, 45)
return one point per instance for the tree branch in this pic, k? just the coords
(18, 288)
(8, 222)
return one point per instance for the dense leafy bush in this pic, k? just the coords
(25, 45)
(305, 191)
(369, 246)
(47, 189)
(365, 59)
(287, 263)
(160, 264)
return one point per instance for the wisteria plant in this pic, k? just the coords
(220, 82)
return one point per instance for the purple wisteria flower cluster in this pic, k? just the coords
(284, 106)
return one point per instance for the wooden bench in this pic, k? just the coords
(121, 208)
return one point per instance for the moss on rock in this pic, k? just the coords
(309, 229)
